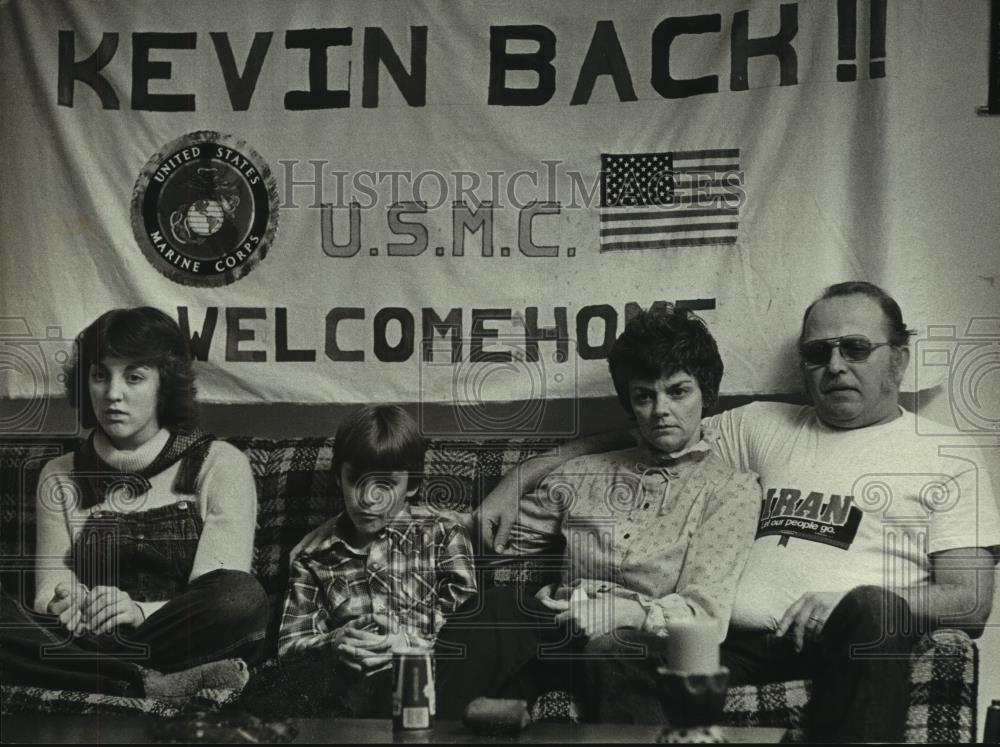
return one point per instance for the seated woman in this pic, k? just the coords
(654, 533)
(144, 533)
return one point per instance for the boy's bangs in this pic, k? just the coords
(384, 455)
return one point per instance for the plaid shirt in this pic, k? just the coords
(416, 569)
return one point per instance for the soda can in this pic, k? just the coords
(991, 734)
(413, 697)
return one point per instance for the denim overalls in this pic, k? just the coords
(148, 554)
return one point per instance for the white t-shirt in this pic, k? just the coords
(844, 508)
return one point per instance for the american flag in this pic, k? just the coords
(674, 199)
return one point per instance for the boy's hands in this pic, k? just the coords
(366, 643)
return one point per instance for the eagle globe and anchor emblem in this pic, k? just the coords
(203, 218)
(205, 209)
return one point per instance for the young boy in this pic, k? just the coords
(375, 578)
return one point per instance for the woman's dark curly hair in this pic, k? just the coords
(143, 335)
(660, 342)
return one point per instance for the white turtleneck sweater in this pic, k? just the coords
(225, 494)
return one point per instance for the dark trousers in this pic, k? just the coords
(859, 666)
(317, 685)
(509, 646)
(221, 614)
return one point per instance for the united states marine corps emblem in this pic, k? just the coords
(205, 209)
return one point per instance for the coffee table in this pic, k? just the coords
(118, 729)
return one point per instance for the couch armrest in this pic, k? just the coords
(944, 685)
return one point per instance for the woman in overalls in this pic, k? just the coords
(144, 533)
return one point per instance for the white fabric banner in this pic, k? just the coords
(463, 201)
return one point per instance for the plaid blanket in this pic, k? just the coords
(15, 698)
(296, 493)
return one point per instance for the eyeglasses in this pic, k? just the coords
(852, 348)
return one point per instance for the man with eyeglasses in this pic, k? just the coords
(868, 537)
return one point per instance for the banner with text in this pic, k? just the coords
(465, 202)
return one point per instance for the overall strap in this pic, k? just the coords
(95, 477)
(191, 463)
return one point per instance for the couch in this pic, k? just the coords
(296, 493)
